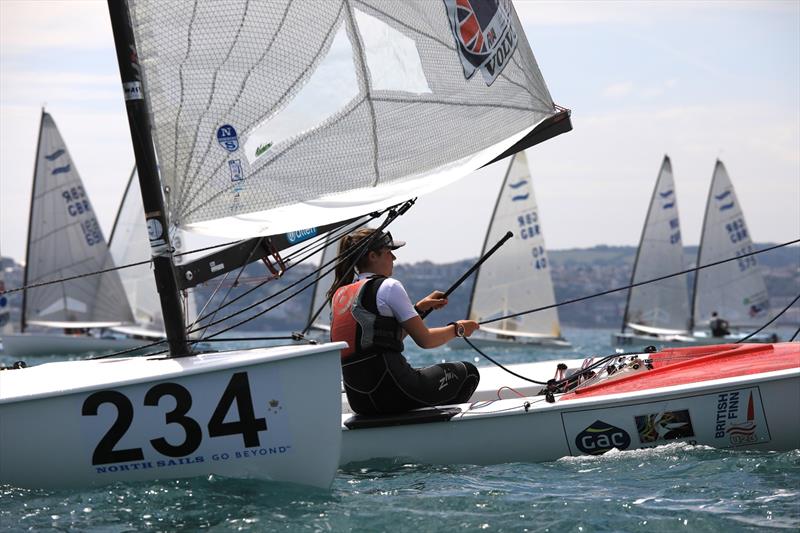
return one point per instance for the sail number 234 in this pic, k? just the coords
(238, 390)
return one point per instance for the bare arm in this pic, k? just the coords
(432, 337)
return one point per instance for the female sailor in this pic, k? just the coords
(373, 313)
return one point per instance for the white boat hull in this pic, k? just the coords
(507, 431)
(43, 344)
(488, 341)
(640, 340)
(263, 413)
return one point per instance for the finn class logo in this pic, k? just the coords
(485, 37)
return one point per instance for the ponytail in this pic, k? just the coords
(348, 259)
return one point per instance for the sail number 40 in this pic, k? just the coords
(238, 390)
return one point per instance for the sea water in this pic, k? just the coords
(669, 488)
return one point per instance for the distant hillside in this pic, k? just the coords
(576, 273)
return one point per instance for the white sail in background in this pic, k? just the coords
(274, 116)
(517, 277)
(64, 240)
(736, 289)
(323, 320)
(663, 305)
(129, 244)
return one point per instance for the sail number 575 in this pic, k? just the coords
(238, 390)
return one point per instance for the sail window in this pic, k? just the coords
(328, 91)
(392, 58)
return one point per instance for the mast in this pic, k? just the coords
(665, 162)
(149, 182)
(30, 221)
(700, 247)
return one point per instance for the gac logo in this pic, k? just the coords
(600, 437)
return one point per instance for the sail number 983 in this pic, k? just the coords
(238, 390)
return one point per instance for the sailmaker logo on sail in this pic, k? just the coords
(484, 34)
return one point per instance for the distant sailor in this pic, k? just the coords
(719, 326)
(373, 313)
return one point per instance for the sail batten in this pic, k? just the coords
(261, 109)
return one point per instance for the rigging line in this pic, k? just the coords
(795, 335)
(603, 293)
(198, 315)
(392, 215)
(560, 382)
(131, 350)
(771, 321)
(235, 281)
(70, 278)
(261, 284)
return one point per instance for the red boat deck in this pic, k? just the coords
(679, 366)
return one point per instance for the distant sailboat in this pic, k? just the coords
(518, 276)
(128, 245)
(65, 240)
(736, 290)
(320, 326)
(658, 311)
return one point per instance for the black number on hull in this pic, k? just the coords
(248, 425)
(238, 389)
(105, 453)
(183, 402)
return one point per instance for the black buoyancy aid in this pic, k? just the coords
(355, 320)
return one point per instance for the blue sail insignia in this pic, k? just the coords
(726, 206)
(723, 195)
(60, 170)
(520, 197)
(666, 194)
(55, 155)
(518, 184)
(670, 205)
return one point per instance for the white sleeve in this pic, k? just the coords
(392, 300)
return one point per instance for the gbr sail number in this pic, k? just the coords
(237, 390)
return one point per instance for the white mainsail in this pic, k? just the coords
(663, 305)
(276, 116)
(64, 240)
(517, 277)
(736, 289)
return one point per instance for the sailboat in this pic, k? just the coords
(128, 245)
(736, 290)
(659, 311)
(251, 145)
(65, 240)
(518, 277)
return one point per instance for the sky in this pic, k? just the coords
(695, 80)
